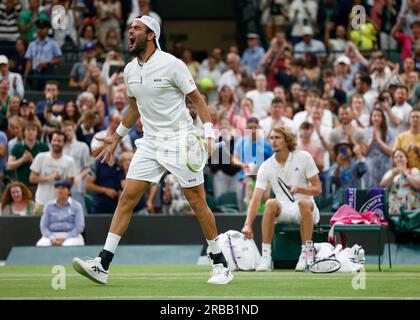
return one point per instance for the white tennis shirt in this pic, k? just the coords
(299, 167)
(159, 86)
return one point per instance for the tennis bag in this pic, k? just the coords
(240, 252)
(329, 259)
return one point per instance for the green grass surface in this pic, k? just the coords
(189, 282)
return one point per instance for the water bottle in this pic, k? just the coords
(309, 254)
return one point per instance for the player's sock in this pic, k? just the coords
(266, 249)
(218, 258)
(110, 246)
(216, 253)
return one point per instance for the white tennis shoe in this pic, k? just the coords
(265, 264)
(220, 275)
(91, 269)
(300, 266)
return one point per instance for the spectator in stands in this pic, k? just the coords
(409, 141)
(9, 28)
(330, 88)
(379, 149)
(48, 167)
(80, 153)
(369, 94)
(381, 73)
(401, 110)
(105, 185)
(338, 45)
(343, 77)
(261, 97)
(360, 112)
(384, 14)
(404, 184)
(308, 44)
(217, 54)
(239, 120)
(27, 113)
(4, 96)
(119, 104)
(223, 170)
(227, 101)
(358, 61)
(178, 204)
(51, 94)
(253, 54)
(348, 170)
(16, 127)
(67, 38)
(86, 130)
(304, 142)
(23, 153)
(108, 18)
(62, 221)
(408, 67)
(209, 72)
(17, 200)
(87, 36)
(29, 18)
(250, 151)
(112, 41)
(14, 105)
(347, 133)
(79, 75)
(192, 65)
(15, 79)
(114, 120)
(302, 13)
(142, 7)
(312, 69)
(276, 117)
(71, 112)
(233, 77)
(293, 97)
(18, 63)
(42, 54)
(293, 74)
(365, 37)
(313, 100)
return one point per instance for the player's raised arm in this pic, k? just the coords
(110, 143)
(252, 212)
(204, 114)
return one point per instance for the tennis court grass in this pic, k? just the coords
(189, 282)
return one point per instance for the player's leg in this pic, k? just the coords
(97, 268)
(306, 212)
(271, 213)
(196, 197)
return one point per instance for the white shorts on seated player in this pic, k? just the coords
(156, 155)
(290, 212)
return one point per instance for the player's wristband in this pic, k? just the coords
(122, 130)
(209, 131)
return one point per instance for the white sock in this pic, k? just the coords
(214, 245)
(266, 249)
(111, 242)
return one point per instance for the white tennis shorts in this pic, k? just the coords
(290, 212)
(154, 156)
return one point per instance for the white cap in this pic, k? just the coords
(3, 59)
(153, 25)
(307, 30)
(343, 59)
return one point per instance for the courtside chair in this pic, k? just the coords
(362, 199)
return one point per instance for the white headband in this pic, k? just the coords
(153, 25)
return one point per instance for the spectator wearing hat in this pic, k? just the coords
(15, 79)
(251, 151)
(63, 221)
(254, 53)
(309, 44)
(343, 79)
(28, 19)
(302, 13)
(42, 54)
(80, 73)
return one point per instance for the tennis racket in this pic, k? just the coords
(194, 151)
(327, 265)
(286, 189)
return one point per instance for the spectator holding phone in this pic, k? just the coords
(79, 75)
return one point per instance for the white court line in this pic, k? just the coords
(211, 298)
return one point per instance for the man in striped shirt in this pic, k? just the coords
(9, 29)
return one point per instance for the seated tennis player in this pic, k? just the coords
(293, 176)
(157, 84)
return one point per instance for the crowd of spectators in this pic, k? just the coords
(351, 106)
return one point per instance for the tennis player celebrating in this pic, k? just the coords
(157, 84)
(293, 175)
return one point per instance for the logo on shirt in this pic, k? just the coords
(192, 180)
(296, 169)
(157, 80)
(191, 82)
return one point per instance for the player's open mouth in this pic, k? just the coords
(132, 41)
